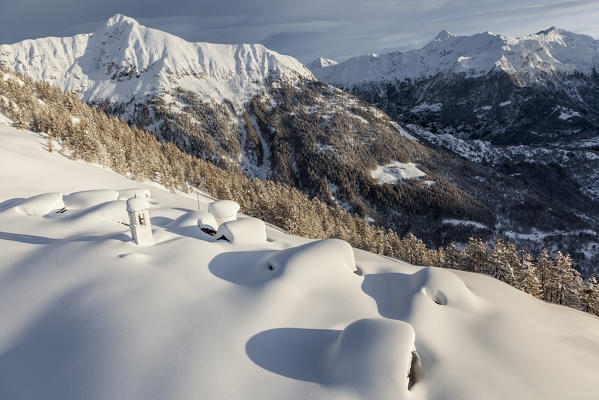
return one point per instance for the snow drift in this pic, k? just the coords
(88, 314)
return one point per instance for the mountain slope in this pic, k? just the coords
(124, 60)
(87, 314)
(532, 57)
(527, 107)
(248, 109)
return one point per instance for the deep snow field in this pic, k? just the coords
(87, 314)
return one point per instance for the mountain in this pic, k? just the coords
(248, 109)
(87, 314)
(320, 63)
(251, 110)
(531, 58)
(124, 60)
(527, 107)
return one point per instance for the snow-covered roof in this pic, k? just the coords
(243, 231)
(223, 208)
(207, 220)
(137, 204)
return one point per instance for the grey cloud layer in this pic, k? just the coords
(306, 29)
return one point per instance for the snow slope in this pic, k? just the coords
(87, 314)
(124, 59)
(546, 52)
(395, 171)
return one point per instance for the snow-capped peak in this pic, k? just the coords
(444, 35)
(120, 19)
(532, 57)
(321, 63)
(124, 59)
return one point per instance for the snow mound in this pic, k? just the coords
(205, 220)
(444, 288)
(395, 171)
(128, 193)
(188, 225)
(89, 198)
(400, 297)
(358, 358)
(369, 351)
(328, 254)
(40, 205)
(243, 231)
(224, 210)
(86, 314)
(137, 204)
(111, 211)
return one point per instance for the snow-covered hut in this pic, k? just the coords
(207, 223)
(139, 221)
(243, 231)
(223, 210)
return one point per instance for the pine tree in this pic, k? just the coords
(573, 292)
(476, 255)
(545, 266)
(527, 276)
(453, 257)
(560, 273)
(591, 296)
(502, 260)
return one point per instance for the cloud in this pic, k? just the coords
(307, 29)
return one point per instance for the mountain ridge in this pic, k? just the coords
(143, 60)
(546, 52)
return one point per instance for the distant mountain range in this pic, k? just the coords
(419, 168)
(528, 107)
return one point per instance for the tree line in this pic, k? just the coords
(88, 133)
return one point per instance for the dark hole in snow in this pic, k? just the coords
(414, 372)
(62, 210)
(440, 299)
(223, 238)
(209, 231)
(270, 267)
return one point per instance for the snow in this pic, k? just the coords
(125, 60)
(137, 204)
(395, 171)
(206, 220)
(87, 314)
(404, 133)
(88, 198)
(427, 107)
(243, 231)
(566, 113)
(505, 103)
(41, 204)
(456, 222)
(547, 52)
(224, 210)
(329, 251)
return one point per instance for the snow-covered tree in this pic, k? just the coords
(591, 296)
(476, 255)
(527, 278)
(545, 266)
(453, 258)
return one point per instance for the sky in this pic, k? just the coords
(306, 29)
